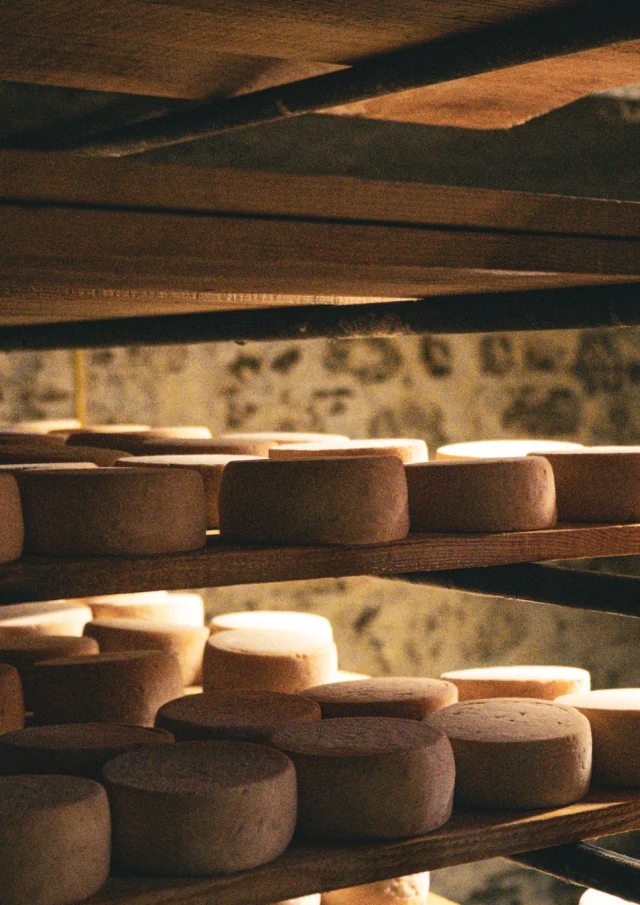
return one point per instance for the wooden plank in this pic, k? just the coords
(469, 836)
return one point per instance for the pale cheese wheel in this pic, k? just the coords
(614, 715)
(482, 495)
(215, 446)
(344, 675)
(47, 425)
(185, 641)
(543, 682)
(360, 500)
(596, 897)
(282, 437)
(266, 660)
(412, 889)
(17, 454)
(199, 808)
(76, 749)
(24, 651)
(390, 696)
(49, 617)
(117, 687)
(12, 711)
(112, 511)
(406, 450)
(501, 449)
(54, 839)
(289, 620)
(133, 440)
(11, 519)
(517, 752)
(365, 778)
(156, 606)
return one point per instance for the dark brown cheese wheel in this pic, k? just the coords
(120, 687)
(154, 606)
(543, 682)
(360, 500)
(199, 808)
(369, 777)
(11, 699)
(132, 440)
(48, 617)
(23, 454)
(11, 519)
(54, 839)
(77, 749)
(216, 446)
(241, 716)
(408, 698)
(23, 652)
(113, 511)
(482, 495)
(517, 752)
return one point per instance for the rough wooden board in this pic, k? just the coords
(469, 836)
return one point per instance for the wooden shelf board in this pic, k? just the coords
(469, 836)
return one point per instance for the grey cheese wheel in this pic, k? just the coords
(11, 700)
(393, 696)
(11, 519)
(24, 651)
(412, 889)
(543, 682)
(199, 808)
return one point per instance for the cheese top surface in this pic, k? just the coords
(495, 720)
(273, 620)
(603, 699)
(83, 736)
(19, 794)
(267, 642)
(523, 673)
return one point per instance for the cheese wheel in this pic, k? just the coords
(517, 752)
(50, 617)
(412, 889)
(482, 495)
(315, 501)
(596, 897)
(614, 715)
(104, 429)
(501, 449)
(266, 660)
(11, 699)
(313, 899)
(156, 606)
(369, 777)
(16, 454)
(241, 716)
(45, 426)
(289, 620)
(216, 446)
(543, 682)
(199, 808)
(391, 696)
(282, 437)
(132, 440)
(406, 450)
(48, 466)
(77, 749)
(54, 839)
(27, 438)
(118, 687)
(11, 519)
(185, 641)
(344, 675)
(24, 651)
(112, 511)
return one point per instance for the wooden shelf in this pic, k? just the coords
(469, 836)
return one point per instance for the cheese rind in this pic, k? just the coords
(412, 889)
(11, 519)
(11, 700)
(16, 454)
(273, 620)
(500, 449)
(132, 440)
(216, 446)
(155, 606)
(391, 696)
(24, 651)
(406, 450)
(543, 682)
(49, 617)
(283, 437)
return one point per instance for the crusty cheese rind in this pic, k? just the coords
(11, 700)
(408, 698)
(542, 682)
(412, 889)
(597, 486)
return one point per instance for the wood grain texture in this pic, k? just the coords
(469, 836)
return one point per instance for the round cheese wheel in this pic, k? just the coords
(313, 899)
(50, 617)
(216, 446)
(45, 426)
(614, 715)
(24, 651)
(543, 682)
(11, 700)
(23, 437)
(410, 698)
(185, 641)
(49, 466)
(11, 519)
(596, 897)
(104, 429)
(112, 511)
(131, 440)
(369, 777)
(406, 450)
(360, 500)
(266, 660)
(343, 675)
(17, 454)
(156, 606)
(289, 620)
(412, 889)
(118, 687)
(482, 495)
(199, 808)
(54, 839)
(77, 749)
(501, 449)
(517, 752)
(282, 437)
(241, 716)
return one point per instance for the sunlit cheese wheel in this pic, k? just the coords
(185, 641)
(133, 440)
(596, 897)
(543, 682)
(11, 519)
(517, 752)
(49, 617)
(501, 449)
(199, 808)
(216, 446)
(47, 425)
(614, 715)
(156, 606)
(117, 687)
(112, 511)
(392, 696)
(54, 839)
(210, 469)
(406, 450)
(277, 620)
(266, 660)
(11, 699)
(345, 675)
(16, 454)
(412, 889)
(24, 651)
(369, 777)
(482, 495)
(241, 716)
(360, 500)
(77, 749)
(283, 437)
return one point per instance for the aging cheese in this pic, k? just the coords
(132, 440)
(112, 511)
(266, 660)
(199, 808)
(501, 449)
(282, 437)
(118, 687)
(185, 641)
(11, 700)
(543, 682)
(412, 889)
(482, 495)
(517, 752)
(156, 606)
(11, 437)
(315, 501)
(289, 620)
(369, 777)
(241, 716)
(54, 839)
(11, 519)
(17, 454)
(24, 651)
(216, 446)
(614, 715)
(406, 450)
(391, 696)
(45, 426)
(50, 617)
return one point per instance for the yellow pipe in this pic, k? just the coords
(80, 385)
